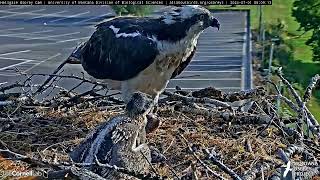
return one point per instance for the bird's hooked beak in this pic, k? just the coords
(215, 23)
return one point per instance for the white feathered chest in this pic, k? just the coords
(155, 78)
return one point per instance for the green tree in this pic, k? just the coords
(137, 10)
(307, 13)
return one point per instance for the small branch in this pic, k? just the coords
(254, 172)
(71, 77)
(145, 157)
(131, 173)
(51, 76)
(82, 172)
(283, 156)
(266, 127)
(222, 166)
(312, 84)
(303, 110)
(5, 88)
(240, 118)
(199, 160)
(211, 92)
(197, 100)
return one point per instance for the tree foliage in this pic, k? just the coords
(137, 10)
(307, 13)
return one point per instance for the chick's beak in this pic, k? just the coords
(215, 23)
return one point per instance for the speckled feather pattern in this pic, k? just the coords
(119, 142)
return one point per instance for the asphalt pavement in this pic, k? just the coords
(36, 39)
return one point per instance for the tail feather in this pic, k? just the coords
(74, 58)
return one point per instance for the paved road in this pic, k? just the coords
(38, 38)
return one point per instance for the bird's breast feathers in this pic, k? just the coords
(155, 78)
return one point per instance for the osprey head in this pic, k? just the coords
(199, 15)
(139, 104)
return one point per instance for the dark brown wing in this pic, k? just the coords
(183, 65)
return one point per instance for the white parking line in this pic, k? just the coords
(11, 29)
(221, 56)
(215, 41)
(1, 69)
(17, 59)
(59, 35)
(68, 40)
(15, 52)
(71, 16)
(21, 13)
(221, 88)
(216, 52)
(7, 74)
(215, 60)
(46, 15)
(96, 17)
(209, 79)
(17, 34)
(212, 71)
(3, 83)
(210, 65)
(219, 47)
(49, 58)
(218, 43)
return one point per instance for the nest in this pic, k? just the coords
(203, 134)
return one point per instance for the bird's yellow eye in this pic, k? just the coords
(201, 17)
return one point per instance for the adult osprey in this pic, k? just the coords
(144, 53)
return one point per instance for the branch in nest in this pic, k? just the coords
(5, 103)
(73, 171)
(292, 90)
(131, 173)
(179, 97)
(229, 97)
(66, 168)
(312, 84)
(5, 88)
(51, 76)
(312, 123)
(286, 155)
(199, 160)
(71, 77)
(4, 97)
(241, 118)
(84, 173)
(294, 149)
(222, 166)
(256, 171)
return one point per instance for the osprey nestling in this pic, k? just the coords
(144, 53)
(119, 141)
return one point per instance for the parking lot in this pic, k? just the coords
(38, 38)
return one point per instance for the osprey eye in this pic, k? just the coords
(201, 17)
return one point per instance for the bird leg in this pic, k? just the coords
(153, 122)
(140, 147)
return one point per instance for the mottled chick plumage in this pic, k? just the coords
(119, 141)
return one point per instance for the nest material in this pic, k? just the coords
(200, 136)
